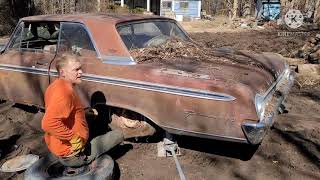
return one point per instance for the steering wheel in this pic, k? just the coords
(156, 41)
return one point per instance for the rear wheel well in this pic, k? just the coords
(133, 124)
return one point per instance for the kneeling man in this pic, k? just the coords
(64, 122)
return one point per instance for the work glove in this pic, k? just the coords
(77, 144)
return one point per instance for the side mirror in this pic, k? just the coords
(2, 48)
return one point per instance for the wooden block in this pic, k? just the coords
(316, 48)
(307, 47)
(309, 69)
(313, 40)
(315, 55)
(294, 61)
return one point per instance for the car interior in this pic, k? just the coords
(35, 36)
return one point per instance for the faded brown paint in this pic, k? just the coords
(24, 87)
(180, 112)
(203, 116)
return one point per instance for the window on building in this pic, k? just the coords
(167, 4)
(184, 5)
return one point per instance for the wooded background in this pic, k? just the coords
(12, 10)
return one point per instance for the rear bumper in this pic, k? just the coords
(255, 131)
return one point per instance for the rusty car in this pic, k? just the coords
(230, 102)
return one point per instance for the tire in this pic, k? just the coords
(49, 168)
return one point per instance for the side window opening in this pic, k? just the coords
(126, 36)
(16, 38)
(75, 39)
(36, 36)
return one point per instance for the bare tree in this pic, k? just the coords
(317, 13)
(229, 9)
(235, 10)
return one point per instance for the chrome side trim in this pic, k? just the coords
(189, 92)
(159, 88)
(178, 131)
(286, 71)
(262, 99)
(255, 131)
(23, 69)
(118, 60)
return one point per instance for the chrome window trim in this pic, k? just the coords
(98, 54)
(118, 60)
(14, 31)
(59, 39)
(155, 87)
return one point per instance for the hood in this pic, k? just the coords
(257, 71)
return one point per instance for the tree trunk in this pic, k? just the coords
(229, 9)
(235, 9)
(98, 5)
(72, 6)
(62, 6)
(317, 13)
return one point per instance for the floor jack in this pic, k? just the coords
(169, 148)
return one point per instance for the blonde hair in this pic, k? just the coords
(64, 60)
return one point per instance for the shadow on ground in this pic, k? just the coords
(229, 149)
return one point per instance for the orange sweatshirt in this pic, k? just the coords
(64, 117)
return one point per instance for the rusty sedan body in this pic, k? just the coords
(236, 104)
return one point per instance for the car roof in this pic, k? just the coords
(102, 28)
(106, 17)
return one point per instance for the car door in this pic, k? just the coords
(25, 62)
(75, 39)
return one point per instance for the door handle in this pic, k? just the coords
(41, 63)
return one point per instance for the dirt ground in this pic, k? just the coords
(290, 150)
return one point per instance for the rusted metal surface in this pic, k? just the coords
(199, 99)
(19, 85)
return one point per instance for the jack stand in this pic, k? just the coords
(168, 140)
(168, 148)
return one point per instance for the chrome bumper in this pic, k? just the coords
(255, 131)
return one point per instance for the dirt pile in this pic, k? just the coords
(311, 50)
(307, 63)
(20, 133)
(308, 75)
(257, 41)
